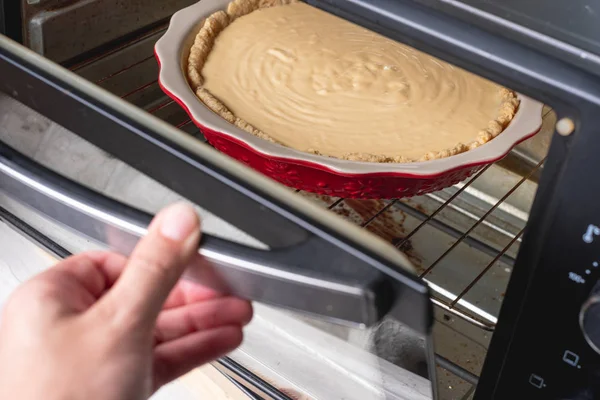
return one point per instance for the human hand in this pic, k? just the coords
(101, 326)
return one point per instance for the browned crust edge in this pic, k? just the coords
(219, 20)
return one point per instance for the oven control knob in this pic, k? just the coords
(589, 321)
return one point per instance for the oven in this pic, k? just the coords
(496, 295)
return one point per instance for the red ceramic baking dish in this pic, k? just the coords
(314, 173)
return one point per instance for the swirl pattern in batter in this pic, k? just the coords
(314, 82)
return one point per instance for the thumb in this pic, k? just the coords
(156, 263)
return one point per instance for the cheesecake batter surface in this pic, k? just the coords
(308, 80)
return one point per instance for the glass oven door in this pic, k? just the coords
(267, 243)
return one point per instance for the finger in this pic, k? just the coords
(176, 358)
(156, 264)
(110, 266)
(50, 295)
(72, 285)
(95, 271)
(177, 322)
(187, 292)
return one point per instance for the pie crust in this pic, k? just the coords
(218, 21)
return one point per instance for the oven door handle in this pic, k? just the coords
(292, 277)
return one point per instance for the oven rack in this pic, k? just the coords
(130, 71)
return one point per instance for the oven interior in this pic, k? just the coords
(463, 240)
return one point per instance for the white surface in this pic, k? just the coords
(20, 259)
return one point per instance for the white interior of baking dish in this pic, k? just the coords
(173, 49)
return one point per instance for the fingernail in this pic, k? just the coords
(178, 222)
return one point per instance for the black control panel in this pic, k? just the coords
(554, 353)
(548, 344)
(547, 341)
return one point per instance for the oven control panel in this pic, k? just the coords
(555, 350)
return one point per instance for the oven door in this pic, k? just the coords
(61, 184)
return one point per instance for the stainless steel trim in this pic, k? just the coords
(240, 375)
(134, 229)
(227, 268)
(136, 232)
